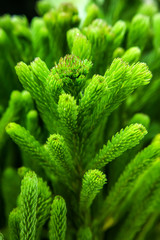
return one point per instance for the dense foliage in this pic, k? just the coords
(79, 122)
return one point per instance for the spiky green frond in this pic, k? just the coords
(60, 156)
(92, 183)
(111, 209)
(72, 72)
(28, 206)
(94, 93)
(43, 205)
(104, 94)
(27, 79)
(58, 220)
(33, 79)
(68, 114)
(131, 77)
(14, 224)
(82, 100)
(146, 201)
(54, 87)
(121, 142)
(28, 143)
(68, 111)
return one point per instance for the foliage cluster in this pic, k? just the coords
(83, 112)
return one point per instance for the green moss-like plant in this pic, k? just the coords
(78, 159)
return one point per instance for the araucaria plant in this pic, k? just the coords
(84, 168)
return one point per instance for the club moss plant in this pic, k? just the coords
(79, 138)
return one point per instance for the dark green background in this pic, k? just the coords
(22, 7)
